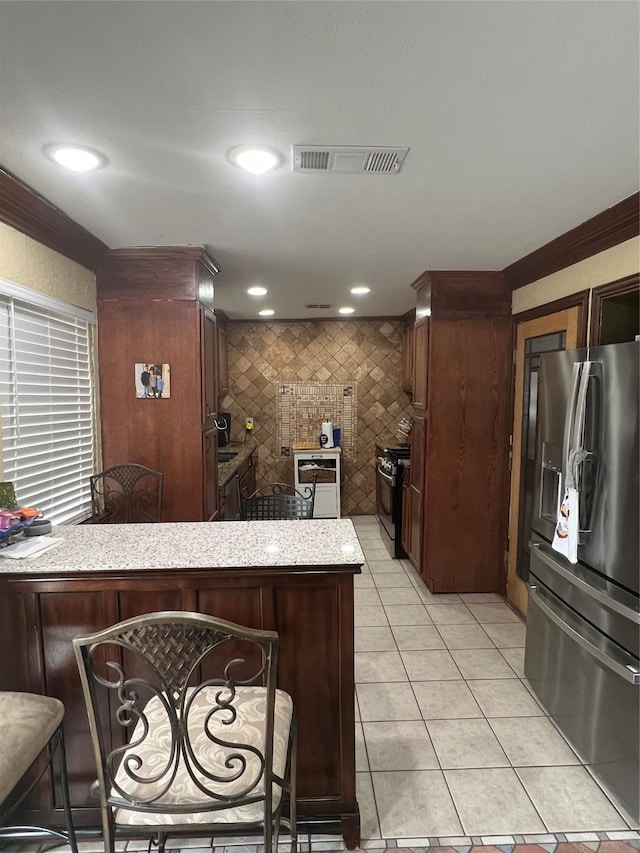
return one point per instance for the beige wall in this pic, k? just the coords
(28, 263)
(619, 261)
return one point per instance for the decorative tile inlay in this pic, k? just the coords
(303, 407)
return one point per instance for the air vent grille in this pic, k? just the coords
(347, 158)
(317, 305)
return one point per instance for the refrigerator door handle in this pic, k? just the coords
(570, 419)
(591, 591)
(629, 672)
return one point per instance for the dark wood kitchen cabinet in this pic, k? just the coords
(460, 434)
(155, 306)
(408, 351)
(223, 354)
(229, 498)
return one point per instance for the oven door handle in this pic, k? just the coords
(386, 476)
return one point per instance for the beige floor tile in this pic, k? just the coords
(481, 598)
(435, 665)
(532, 742)
(380, 702)
(369, 615)
(506, 635)
(375, 551)
(515, 659)
(416, 637)
(498, 612)
(362, 762)
(374, 640)
(363, 597)
(466, 744)
(369, 826)
(456, 614)
(445, 700)
(363, 582)
(569, 800)
(465, 636)
(399, 596)
(391, 579)
(492, 802)
(403, 745)
(504, 697)
(441, 598)
(379, 667)
(385, 566)
(415, 804)
(482, 663)
(407, 614)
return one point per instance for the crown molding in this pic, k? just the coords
(31, 214)
(614, 225)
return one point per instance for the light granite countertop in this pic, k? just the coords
(227, 470)
(194, 545)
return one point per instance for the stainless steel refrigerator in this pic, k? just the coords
(583, 623)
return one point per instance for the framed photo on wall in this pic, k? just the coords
(152, 381)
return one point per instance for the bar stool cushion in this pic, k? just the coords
(27, 722)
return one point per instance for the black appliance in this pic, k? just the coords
(223, 425)
(389, 476)
(583, 637)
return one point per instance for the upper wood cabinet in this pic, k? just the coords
(458, 464)
(223, 357)
(155, 306)
(408, 351)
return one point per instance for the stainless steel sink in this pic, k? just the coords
(226, 455)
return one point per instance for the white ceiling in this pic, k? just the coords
(521, 117)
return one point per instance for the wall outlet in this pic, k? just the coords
(249, 423)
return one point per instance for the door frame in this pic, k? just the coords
(570, 315)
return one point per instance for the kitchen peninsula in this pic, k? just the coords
(295, 577)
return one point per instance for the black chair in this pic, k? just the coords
(30, 736)
(190, 734)
(277, 501)
(126, 494)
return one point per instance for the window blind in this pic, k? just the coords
(47, 400)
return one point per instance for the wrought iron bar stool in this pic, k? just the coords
(126, 494)
(190, 734)
(30, 725)
(277, 501)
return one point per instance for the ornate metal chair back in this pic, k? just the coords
(189, 732)
(126, 494)
(277, 501)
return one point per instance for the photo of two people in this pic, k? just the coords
(153, 381)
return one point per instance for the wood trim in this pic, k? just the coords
(578, 300)
(614, 225)
(542, 324)
(613, 288)
(193, 253)
(31, 214)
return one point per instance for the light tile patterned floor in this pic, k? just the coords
(452, 746)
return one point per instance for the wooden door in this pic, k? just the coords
(543, 334)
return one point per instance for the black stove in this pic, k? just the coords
(389, 476)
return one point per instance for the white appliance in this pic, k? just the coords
(326, 430)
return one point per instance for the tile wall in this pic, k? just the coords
(263, 355)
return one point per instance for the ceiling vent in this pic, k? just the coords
(317, 305)
(347, 158)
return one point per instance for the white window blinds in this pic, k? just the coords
(47, 404)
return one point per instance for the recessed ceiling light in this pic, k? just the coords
(75, 157)
(360, 290)
(266, 312)
(346, 310)
(253, 159)
(257, 291)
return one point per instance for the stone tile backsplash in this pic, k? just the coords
(368, 353)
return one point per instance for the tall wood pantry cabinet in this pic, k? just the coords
(457, 494)
(155, 306)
